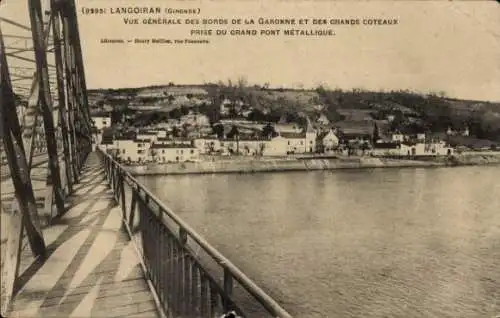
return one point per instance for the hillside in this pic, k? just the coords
(410, 111)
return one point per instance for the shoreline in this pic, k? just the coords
(309, 164)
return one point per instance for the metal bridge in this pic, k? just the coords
(80, 236)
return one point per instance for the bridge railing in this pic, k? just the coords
(185, 284)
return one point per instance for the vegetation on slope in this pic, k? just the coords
(412, 112)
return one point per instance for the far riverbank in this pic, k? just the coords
(308, 164)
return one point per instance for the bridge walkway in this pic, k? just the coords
(91, 268)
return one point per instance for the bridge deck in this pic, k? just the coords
(92, 268)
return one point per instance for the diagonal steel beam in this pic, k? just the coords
(58, 50)
(71, 8)
(45, 100)
(26, 59)
(18, 165)
(17, 24)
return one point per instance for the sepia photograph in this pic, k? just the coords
(250, 158)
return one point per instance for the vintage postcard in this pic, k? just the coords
(250, 158)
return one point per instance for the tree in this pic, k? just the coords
(376, 133)
(262, 146)
(268, 131)
(184, 110)
(235, 134)
(364, 146)
(175, 131)
(175, 113)
(218, 129)
(256, 115)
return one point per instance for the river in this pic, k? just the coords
(359, 243)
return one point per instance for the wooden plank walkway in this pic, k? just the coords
(92, 269)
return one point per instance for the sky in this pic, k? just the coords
(437, 46)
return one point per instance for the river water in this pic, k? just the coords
(358, 243)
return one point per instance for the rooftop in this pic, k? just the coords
(354, 127)
(174, 139)
(292, 135)
(146, 132)
(165, 146)
(100, 114)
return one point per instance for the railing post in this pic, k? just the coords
(122, 195)
(228, 288)
(133, 204)
(181, 271)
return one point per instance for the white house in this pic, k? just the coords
(152, 136)
(101, 120)
(398, 137)
(323, 120)
(310, 140)
(418, 149)
(225, 106)
(251, 146)
(173, 153)
(277, 146)
(133, 150)
(173, 141)
(381, 149)
(329, 141)
(300, 142)
(193, 119)
(434, 148)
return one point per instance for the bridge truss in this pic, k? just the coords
(44, 110)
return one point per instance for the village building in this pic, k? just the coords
(323, 120)
(278, 146)
(355, 132)
(174, 140)
(302, 142)
(390, 117)
(208, 145)
(421, 137)
(194, 119)
(171, 153)
(133, 150)
(251, 146)
(466, 133)
(328, 141)
(288, 128)
(411, 149)
(106, 145)
(225, 106)
(151, 136)
(398, 137)
(101, 121)
(385, 149)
